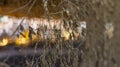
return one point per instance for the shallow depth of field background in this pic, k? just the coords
(98, 45)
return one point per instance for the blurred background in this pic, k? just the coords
(59, 33)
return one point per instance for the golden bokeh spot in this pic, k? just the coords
(4, 42)
(66, 35)
(23, 40)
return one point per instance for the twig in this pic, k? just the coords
(17, 9)
(24, 17)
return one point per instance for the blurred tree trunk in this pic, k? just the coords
(97, 47)
(115, 49)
